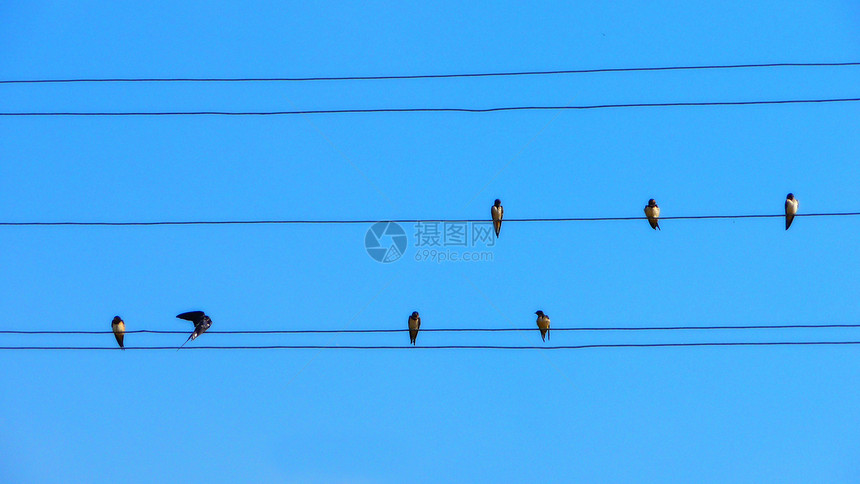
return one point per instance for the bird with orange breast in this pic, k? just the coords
(497, 211)
(543, 325)
(414, 325)
(118, 327)
(652, 211)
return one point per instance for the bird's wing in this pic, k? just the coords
(193, 316)
(419, 323)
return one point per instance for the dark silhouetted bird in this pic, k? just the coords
(414, 326)
(497, 211)
(543, 325)
(791, 205)
(201, 323)
(652, 211)
(118, 327)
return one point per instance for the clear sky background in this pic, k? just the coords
(740, 414)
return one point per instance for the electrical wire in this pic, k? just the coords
(458, 330)
(432, 110)
(431, 76)
(444, 347)
(404, 221)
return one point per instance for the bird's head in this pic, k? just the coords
(117, 319)
(790, 196)
(414, 314)
(652, 203)
(539, 313)
(497, 203)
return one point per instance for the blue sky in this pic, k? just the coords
(617, 415)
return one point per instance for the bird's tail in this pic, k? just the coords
(186, 341)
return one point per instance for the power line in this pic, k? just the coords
(446, 347)
(428, 76)
(461, 330)
(432, 110)
(405, 221)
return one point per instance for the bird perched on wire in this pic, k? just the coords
(118, 327)
(791, 205)
(543, 325)
(201, 324)
(652, 211)
(497, 211)
(414, 326)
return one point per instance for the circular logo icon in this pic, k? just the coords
(385, 241)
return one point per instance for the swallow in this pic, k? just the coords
(652, 211)
(791, 204)
(201, 324)
(118, 327)
(543, 325)
(414, 326)
(497, 211)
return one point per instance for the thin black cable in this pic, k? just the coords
(432, 110)
(446, 347)
(404, 221)
(430, 76)
(461, 330)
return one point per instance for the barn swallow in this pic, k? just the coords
(118, 327)
(652, 211)
(414, 326)
(497, 211)
(201, 324)
(791, 204)
(543, 325)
